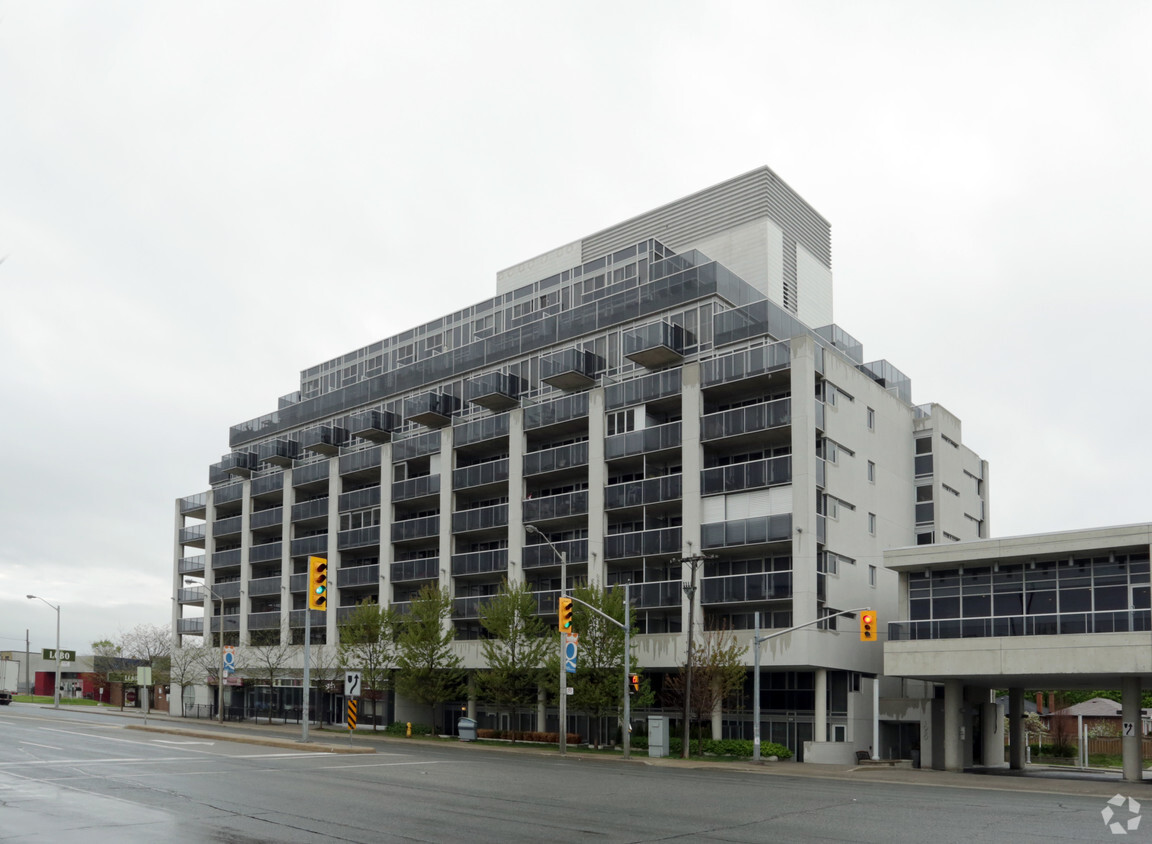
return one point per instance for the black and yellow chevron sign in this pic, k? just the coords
(351, 715)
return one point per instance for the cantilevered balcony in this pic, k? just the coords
(481, 474)
(190, 626)
(358, 576)
(746, 420)
(239, 463)
(433, 410)
(279, 452)
(424, 486)
(488, 518)
(639, 493)
(654, 346)
(746, 588)
(374, 425)
(753, 474)
(643, 543)
(407, 571)
(558, 506)
(646, 441)
(422, 527)
(494, 391)
(661, 594)
(480, 562)
(754, 531)
(324, 439)
(570, 369)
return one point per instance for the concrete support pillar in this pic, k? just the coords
(820, 715)
(1016, 729)
(992, 734)
(718, 719)
(541, 709)
(1130, 743)
(471, 711)
(953, 725)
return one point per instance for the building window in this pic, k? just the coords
(871, 419)
(871, 575)
(872, 523)
(871, 472)
(620, 422)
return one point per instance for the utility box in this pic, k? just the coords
(658, 735)
(466, 727)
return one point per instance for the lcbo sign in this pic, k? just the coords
(65, 656)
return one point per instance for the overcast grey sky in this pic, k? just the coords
(198, 200)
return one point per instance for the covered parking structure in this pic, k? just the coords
(1060, 610)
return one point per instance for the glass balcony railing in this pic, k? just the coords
(494, 390)
(190, 504)
(556, 459)
(267, 483)
(264, 586)
(364, 460)
(191, 596)
(227, 591)
(298, 583)
(480, 518)
(661, 594)
(296, 618)
(310, 473)
(373, 425)
(226, 559)
(226, 527)
(228, 494)
(417, 445)
(466, 609)
(360, 498)
(416, 488)
(556, 506)
(658, 438)
(654, 345)
(431, 409)
(556, 411)
(193, 534)
(323, 439)
(481, 430)
(743, 588)
(188, 565)
(745, 363)
(643, 543)
(426, 568)
(317, 508)
(420, 528)
(480, 562)
(747, 420)
(570, 369)
(644, 389)
(264, 620)
(358, 576)
(492, 472)
(640, 493)
(239, 463)
(309, 546)
(265, 552)
(541, 555)
(365, 537)
(279, 452)
(752, 531)
(190, 626)
(752, 475)
(272, 517)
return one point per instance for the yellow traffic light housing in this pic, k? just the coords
(565, 606)
(317, 583)
(635, 682)
(868, 626)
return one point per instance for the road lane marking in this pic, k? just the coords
(49, 746)
(388, 764)
(168, 741)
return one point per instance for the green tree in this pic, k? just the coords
(368, 644)
(105, 664)
(265, 660)
(186, 666)
(598, 684)
(515, 651)
(717, 673)
(428, 670)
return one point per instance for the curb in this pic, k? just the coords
(311, 747)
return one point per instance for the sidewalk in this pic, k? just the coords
(1038, 779)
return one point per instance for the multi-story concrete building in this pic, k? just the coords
(668, 386)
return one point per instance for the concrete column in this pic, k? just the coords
(953, 725)
(597, 568)
(992, 734)
(1130, 744)
(541, 710)
(1016, 729)
(718, 719)
(820, 716)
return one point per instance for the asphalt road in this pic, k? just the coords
(66, 776)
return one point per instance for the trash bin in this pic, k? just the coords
(466, 727)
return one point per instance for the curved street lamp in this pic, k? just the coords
(563, 555)
(56, 685)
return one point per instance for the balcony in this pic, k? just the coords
(264, 586)
(264, 620)
(481, 430)
(193, 535)
(424, 527)
(647, 441)
(265, 552)
(746, 420)
(364, 463)
(426, 568)
(298, 583)
(311, 511)
(226, 559)
(655, 346)
(229, 526)
(480, 562)
(227, 494)
(358, 499)
(324, 439)
(469, 608)
(433, 410)
(296, 618)
(746, 588)
(272, 517)
(311, 473)
(570, 369)
(641, 493)
(642, 543)
(279, 452)
(752, 475)
(191, 565)
(266, 484)
(365, 537)
(309, 546)
(494, 391)
(358, 576)
(745, 363)
(191, 596)
(556, 411)
(374, 425)
(226, 591)
(541, 556)
(661, 594)
(413, 488)
(556, 459)
(481, 474)
(556, 506)
(480, 518)
(1051, 624)
(754, 531)
(229, 622)
(239, 464)
(194, 505)
(190, 626)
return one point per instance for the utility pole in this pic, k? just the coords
(693, 560)
(563, 555)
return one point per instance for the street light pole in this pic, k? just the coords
(563, 555)
(220, 641)
(56, 689)
(693, 560)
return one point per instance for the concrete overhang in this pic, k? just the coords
(1087, 660)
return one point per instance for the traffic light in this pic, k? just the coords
(565, 615)
(868, 626)
(317, 583)
(635, 682)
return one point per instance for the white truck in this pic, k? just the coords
(9, 675)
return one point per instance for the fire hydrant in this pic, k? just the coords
(409, 729)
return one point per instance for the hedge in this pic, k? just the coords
(527, 735)
(400, 728)
(721, 747)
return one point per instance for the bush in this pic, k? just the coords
(400, 728)
(721, 747)
(527, 735)
(1063, 750)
